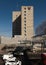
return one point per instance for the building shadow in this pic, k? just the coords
(16, 26)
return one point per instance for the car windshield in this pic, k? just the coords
(11, 61)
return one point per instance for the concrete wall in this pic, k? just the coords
(14, 40)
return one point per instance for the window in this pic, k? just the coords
(25, 21)
(7, 64)
(24, 17)
(24, 11)
(25, 31)
(25, 34)
(28, 8)
(24, 27)
(24, 14)
(25, 8)
(25, 24)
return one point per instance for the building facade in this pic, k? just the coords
(27, 23)
(23, 23)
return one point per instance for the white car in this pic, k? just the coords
(13, 63)
(10, 63)
(11, 60)
(6, 56)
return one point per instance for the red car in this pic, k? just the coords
(43, 55)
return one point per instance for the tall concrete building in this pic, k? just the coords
(27, 24)
(23, 23)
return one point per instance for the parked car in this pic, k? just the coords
(11, 60)
(7, 56)
(43, 55)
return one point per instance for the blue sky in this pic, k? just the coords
(7, 6)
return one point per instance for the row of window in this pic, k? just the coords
(25, 10)
(25, 22)
(25, 27)
(28, 8)
(25, 19)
